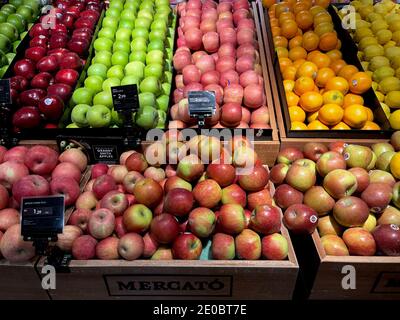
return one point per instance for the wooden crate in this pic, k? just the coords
(376, 277)
(20, 281)
(299, 142)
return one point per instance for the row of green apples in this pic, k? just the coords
(134, 46)
(16, 18)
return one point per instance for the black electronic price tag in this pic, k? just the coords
(42, 217)
(201, 104)
(106, 154)
(5, 94)
(125, 97)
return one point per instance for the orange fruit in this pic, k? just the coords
(268, 3)
(297, 41)
(334, 54)
(355, 116)
(289, 29)
(298, 63)
(311, 101)
(330, 114)
(303, 85)
(297, 114)
(321, 60)
(338, 83)
(307, 69)
(300, 6)
(292, 99)
(328, 41)
(369, 125)
(339, 44)
(370, 114)
(304, 19)
(289, 73)
(284, 63)
(297, 53)
(315, 9)
(281, 8)
(296, 125)
(317, 125)
(351, 98)
(312, 116)
(280, 41)
(288, 85)
(323, 28)
(360, 82)
(276, 31)
(323, 3)
(274, 22)
(347, 71)
(310, 40)
(341, 126)
(333, 96)
(286, 16)
(322, 17)
(282, 52)
(337, 65)
(323, 75)
(311, 55)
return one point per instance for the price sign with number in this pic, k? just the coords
(125, 97)
(201, 104)
(5, 95)
(42, 217)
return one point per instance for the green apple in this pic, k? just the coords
(131, 6)
(116, 71)
(140, 32)
(154, 70)
(166, 88)
(123, 34)
(120, 58)
(78, 115)
(138, 56)
(108, 33)
(82, 96)
(111, 82)
(145, 13)
(104, 98)
(164, 8)
(163, 102)
(10, 57)
(23, 34)
(135, 68)
(158, 24)
(103, 57)
(155, 56)
(94, 83)
(97, 69)
(162, 118)
(113, 12)
(142, 23)
(168, 76)
(5, 44)
(162, 16)
(157, 34)
(156, 44)
(128, 14)
(130, 80)
(162, 3)
(147, 99)
(3, 70)
(167, 65)
(110, 22)
(170, 42)
(117, 119)
(146, 117)
(18, 21)
(103, 44)
(117, 4)
(126, 24)
(122, 45)
(72, 125)
(146, 5)
(99, 116)
(15, 45)
(150, 84)
(139, 44)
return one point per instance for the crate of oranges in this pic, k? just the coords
(320, 82)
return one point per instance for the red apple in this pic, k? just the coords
(286, 195)
(102, 185)
(377, 196)
(387, 238)
(187, 247)
(233, 194)
(318, 199)
(86, 200)
(67, 238)
(224, 174)
(150, 245)
(131, 246)
(334, 245)
(41, 159)
(30, 186)
(359, 242)
(201, 222)
(223, 247)
(300, 219)
(107, 249)
(248, 245)
(362, 178)
(8, 217)
(178, 202)
(301, 175)
(75, 156)
(330, 161)
(130, 180)
(289, 155)
(65, 186)
(340, 183)
(351, 211)
(98, 170)
(115, 201)
(14, 248)
(137, 218)
(231, 219)
(314, 150)
(274, 247)
(11, 172)
(259, 198)
(67, 169)
(136, 162)
(80, 218)
(164, 228)
(256, 180)
(176, 182)
(266, 219)
(148, 192)
(101, 223)
(278, 173)
(207, 193)
(119, 228)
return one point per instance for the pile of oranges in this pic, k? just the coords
(322, 91)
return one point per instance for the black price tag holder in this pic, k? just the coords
(5, 111)
(201, 105)
(126, 101)
(42, 219)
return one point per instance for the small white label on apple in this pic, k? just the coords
(394, 227)
(313, 219)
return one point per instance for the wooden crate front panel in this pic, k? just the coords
(176, 280)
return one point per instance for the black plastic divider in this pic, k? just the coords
(258, 134)
(349, 51)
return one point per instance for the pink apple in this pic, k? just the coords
(67, 238)
(41, 160)
(84, 247)
(10, 172)
(4, 197)
(130, 180)
(67, 169)
(101, 223)
(75, 156)
(131, 246)
(275, 247)
(115, 201)
(124, 156)
(30, 186)
(80, 218)
(67, 187)
(98, 170)
(8, 217)
(14, 248)
(248, 245)
(118, 173)
(16, 154)
(107, 249)
(87, 200)
(102, 185)
(157, 174)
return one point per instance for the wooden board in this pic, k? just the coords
(375, 277)
(20, 281)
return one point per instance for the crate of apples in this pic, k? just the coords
(141, 209)
(322, 91)
(217, 50)
(355, 191)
